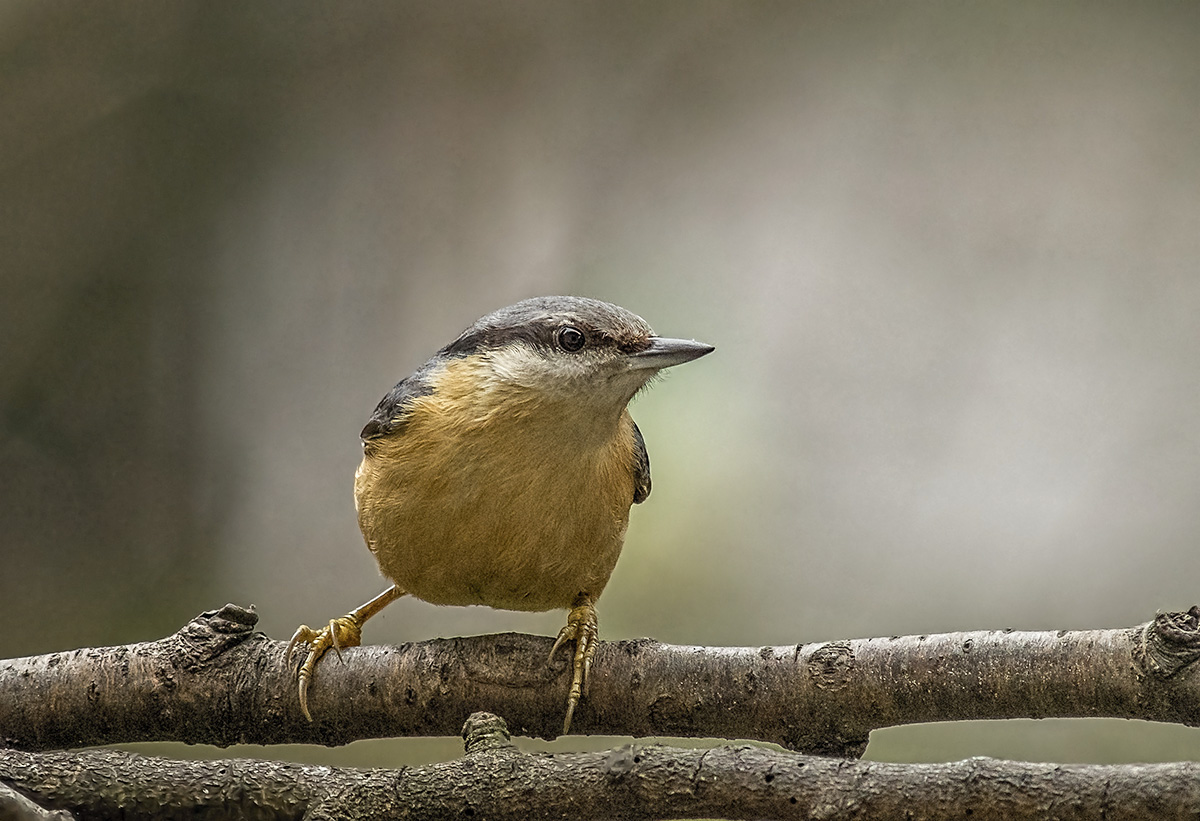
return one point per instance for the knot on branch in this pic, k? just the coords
(1169, 643)
(212, 633)
(831, 666)
(622, 761)
(485, 731)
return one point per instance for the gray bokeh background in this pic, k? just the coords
(948, 254)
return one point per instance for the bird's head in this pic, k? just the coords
(569, 347)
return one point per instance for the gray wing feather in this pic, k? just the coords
(641, 467)
(392, 411)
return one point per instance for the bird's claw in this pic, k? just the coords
(339, 633)
(584, 629)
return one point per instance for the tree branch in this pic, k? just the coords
(496, 781)
(218, 682)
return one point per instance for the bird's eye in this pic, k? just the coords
(570, 339)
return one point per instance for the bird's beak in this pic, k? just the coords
(663, 353)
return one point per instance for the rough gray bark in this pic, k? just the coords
(217, 681)
(496, 781)
(17, 807)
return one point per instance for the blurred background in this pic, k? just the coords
(948, 254)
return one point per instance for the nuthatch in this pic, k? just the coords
(502, 471)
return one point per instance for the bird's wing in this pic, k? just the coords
(641, 467)
(392, 411)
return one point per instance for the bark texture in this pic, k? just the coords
(493, 780)
(217, 681)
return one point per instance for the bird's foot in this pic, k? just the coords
(339, 633)
(584, 629)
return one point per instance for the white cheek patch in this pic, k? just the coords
(522, 365)
(584, 375)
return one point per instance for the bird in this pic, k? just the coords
(503, 470)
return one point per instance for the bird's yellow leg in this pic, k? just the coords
(339, 633)
(584, 629)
